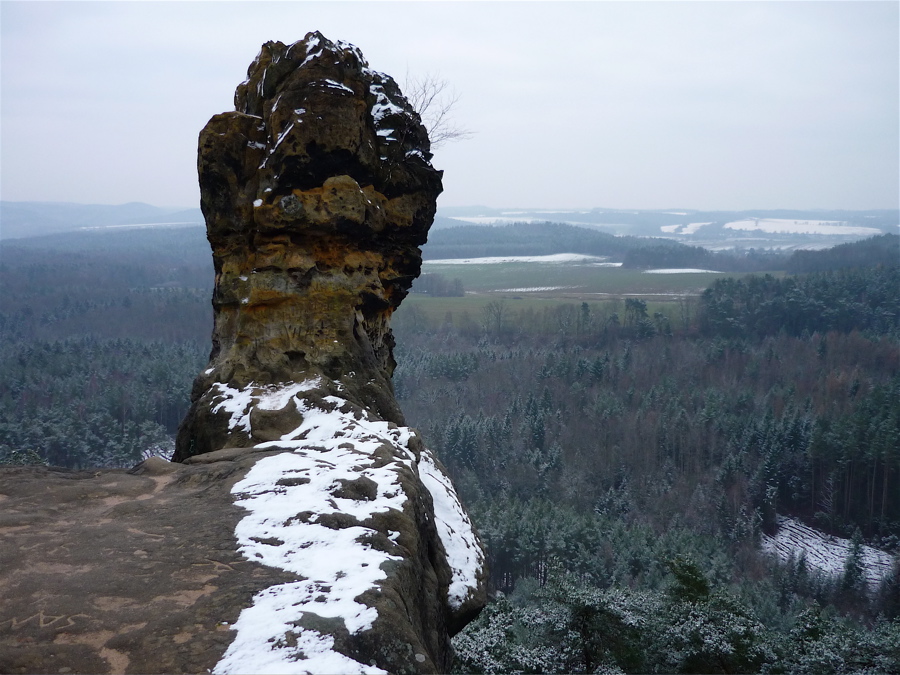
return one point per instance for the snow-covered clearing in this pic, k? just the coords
(824, 554)
(143, 226)
(509, 220)
(555, 258)
(681, 270)
(515, 213)
(534, 289)
(690, 228)
(287, 495)
(785, 226)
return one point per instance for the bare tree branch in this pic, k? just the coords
(434, 100)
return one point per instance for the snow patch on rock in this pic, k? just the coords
(291, 495)
(238, 402)
(455, 530)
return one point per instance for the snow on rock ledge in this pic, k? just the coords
(337, 505)
(464, 553)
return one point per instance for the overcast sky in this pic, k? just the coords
(705, 105)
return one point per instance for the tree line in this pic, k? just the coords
(599, 444)
(864, 299)
(534, 239)
(530, 239)
(85, 402)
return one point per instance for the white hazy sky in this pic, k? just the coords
(707, 105)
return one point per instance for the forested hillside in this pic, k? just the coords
(622, 473)
(101, 338)
(33, 219)
(144, 284)
(883, 250)
(533, 239)
(864, 299)
(621, 457)
(528, 239)
(85, 402)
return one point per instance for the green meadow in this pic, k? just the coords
(603, 288)
(571, 280)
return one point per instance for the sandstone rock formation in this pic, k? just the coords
(317, 192)
(302, 527)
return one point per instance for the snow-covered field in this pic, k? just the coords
(287, 495)
(784, 226)
(142, 226)
(680, 270)
(498, 220)
(690, 228)
(510, 219)
(534, 289)
(516, 213)
(555, 258)
(824, 554)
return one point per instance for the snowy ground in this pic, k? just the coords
(509, 220)
(534, 289)
(690, 228)
(784, 226)
(681, 270)
(142, 226)
(555, 258)
(824, 553)
(287, 495)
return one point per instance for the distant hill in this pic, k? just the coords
(756, 228)
(529, 239)
(441, 223)
(543, 238)
(709, 229)
(167, 245)
(147, 284)
(883, 250)
(32, 219)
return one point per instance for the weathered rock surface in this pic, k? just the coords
(317, 192)
(111, 571)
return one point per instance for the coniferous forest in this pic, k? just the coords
(622, 459)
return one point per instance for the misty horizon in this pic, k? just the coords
(720, 106)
